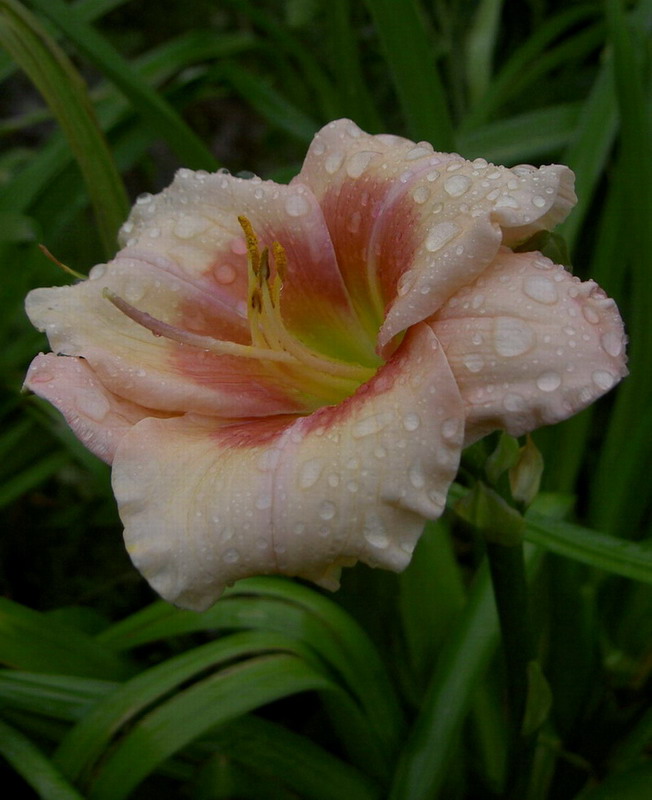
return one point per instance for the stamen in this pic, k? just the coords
(208, 343)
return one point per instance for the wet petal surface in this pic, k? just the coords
(205, 503)
(529, 344)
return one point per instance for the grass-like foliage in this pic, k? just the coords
(396, 687)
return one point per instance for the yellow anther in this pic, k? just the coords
(251, 240)
(280, 260)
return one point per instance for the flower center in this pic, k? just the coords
(325, 379)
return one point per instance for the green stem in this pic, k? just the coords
(507, 567)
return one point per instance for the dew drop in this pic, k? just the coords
(512, 337)
(590, 314)
(310, 472)
(231, 556)
(411, 421)
(549, 381)
(418, 152)
(539, 288)
(296, 205)
(327, 510)
(224, 274)
(513, 402)
(421, 194)
(333, 480)
(450, 428)
(186, 227)
(473, 362)
(98, 271)
(457, 185)
(603, 380)
(416, 476)
(374, 530)
(371, 425)
(333, 162)
(507, 201)
(612, 343)
(299, 528)
(538, 201)
(238, 246)
(440, 234)
(359, 162)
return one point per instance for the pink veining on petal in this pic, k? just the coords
(298, 495)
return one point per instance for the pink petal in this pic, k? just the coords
(193, 225)
(424, 224)
(154, 371)
(205, 504)
(98, 418)
(529, 344)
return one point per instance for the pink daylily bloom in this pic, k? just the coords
(322, 352)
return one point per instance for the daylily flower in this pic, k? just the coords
(321, 354)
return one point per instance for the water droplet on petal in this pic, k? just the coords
(374, 530)
(224, 274)
(421, 194)
(411, 421)
(98, 271)
(457, 185)
(440, 234)
(513, 402)
(538, 201)
(370, 425)
(327, 510)
(310, 472)
(612, 343)
(296, 205)
(590, 314)
(539, 288)
(512, 337)
(186, 227)
(418, 152)
(416, 475)
(507, 201)
(358, 163)
(333, 162)
(450, 428)
(549, 381)
(603, 380)
(473, 362)
(231, 556)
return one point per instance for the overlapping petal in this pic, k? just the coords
(98, 417)
(194, 224)
(206, 503)
(529, 344)
(155, 371)
(412, 226)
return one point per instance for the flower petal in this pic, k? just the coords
(155, 371)
(194, 224)
(204, 505)
(98, 418)
(424, 223)
(529, 344)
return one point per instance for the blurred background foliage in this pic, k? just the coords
(107, 695)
